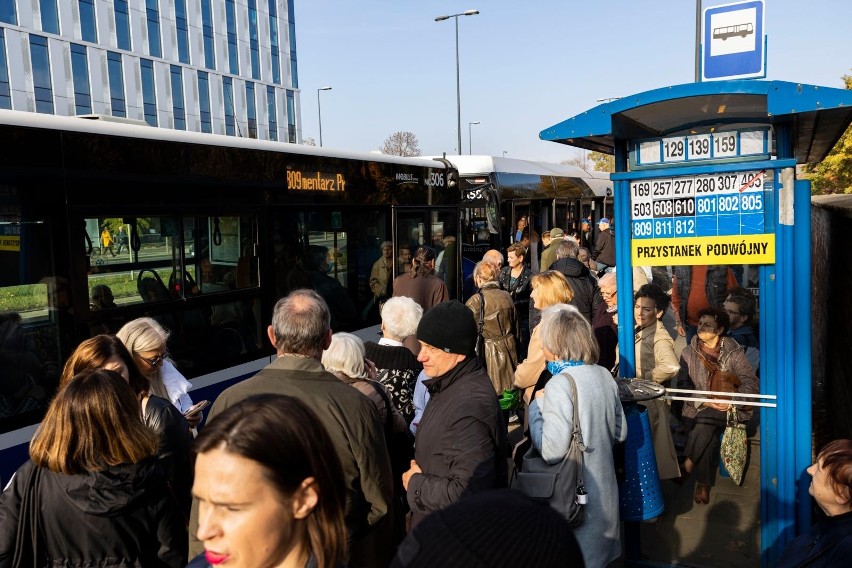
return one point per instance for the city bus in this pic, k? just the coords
(496, 192)
(104, 222)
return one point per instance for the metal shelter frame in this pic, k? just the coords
(807, 121)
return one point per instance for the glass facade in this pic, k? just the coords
(228, 97)
(271, 114)
(182, 31)
(204, 102)
(41, 74)
(49, 16)
(7, 12)
(177, 97)
(291, 22)
(152, 14)
(122, 24)
(207, 32)
(231, 24)
(149, 94)
(291, 117)
(5, 92)
(251, 110)
(116, 84)
(87, 21)
(80, 71)
(90, 65)
(273, 42)
(254, 48)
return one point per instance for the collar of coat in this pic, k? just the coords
(443, 382)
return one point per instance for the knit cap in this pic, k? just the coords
(449, 326)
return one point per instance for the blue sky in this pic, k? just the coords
(524, 65)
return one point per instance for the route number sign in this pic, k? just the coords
(702, 147)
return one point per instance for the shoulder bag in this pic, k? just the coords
(561, 484)
(734, 447)
(27, 550)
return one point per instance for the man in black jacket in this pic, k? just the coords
(587, 295)
(461, 440)
(604, 253)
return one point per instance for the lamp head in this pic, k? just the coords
(442, 18)
(471, 12)
(324, 89)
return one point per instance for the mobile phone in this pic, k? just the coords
(196, 408)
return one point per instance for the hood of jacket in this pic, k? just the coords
(571, 267)
(109, 491)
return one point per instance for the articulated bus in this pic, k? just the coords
(496, 192)
(201, 232)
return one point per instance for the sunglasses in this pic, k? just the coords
(154, 361)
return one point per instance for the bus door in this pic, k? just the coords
(435, 227)
(538, 214)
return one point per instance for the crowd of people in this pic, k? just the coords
(342, 452)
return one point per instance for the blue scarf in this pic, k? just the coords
(556, 367)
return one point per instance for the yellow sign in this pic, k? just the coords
(315, 181)
(10, 243)
(734, 249)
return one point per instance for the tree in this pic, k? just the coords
(596, 161)
(602, 162)
(309, 141)
(401, 144)
(834, 173)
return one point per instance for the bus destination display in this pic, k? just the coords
(703, 205)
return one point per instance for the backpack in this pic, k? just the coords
(560, 484)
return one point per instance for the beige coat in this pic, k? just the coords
(656, 361)
(528, 372)
(500, 327)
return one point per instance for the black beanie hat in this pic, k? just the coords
(494, 528)
(449, 326)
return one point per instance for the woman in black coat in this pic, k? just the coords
(92, 492)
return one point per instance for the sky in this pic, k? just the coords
(524, 66)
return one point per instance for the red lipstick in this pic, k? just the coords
(214, 558)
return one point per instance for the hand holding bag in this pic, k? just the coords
(734, 447)
(560, 484)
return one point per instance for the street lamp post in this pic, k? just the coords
(470, 137)
(458, 84)
(505, 152)
(319, 111)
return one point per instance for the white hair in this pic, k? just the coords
(345, 355)
(400, 316)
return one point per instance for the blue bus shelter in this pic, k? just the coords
(705, 173)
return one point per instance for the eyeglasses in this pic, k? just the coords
(733, 313)
(609, 294)
(154, 361)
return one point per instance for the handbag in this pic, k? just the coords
(561, 484)
(27, 549)
(721, 381)
(734, 447)
(480, 339)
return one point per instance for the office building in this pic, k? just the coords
(220, 66)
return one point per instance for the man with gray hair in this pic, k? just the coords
(494, 257)
(586, 292)
(300, 332)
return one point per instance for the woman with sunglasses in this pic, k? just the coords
(147, 342)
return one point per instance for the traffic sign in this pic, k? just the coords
(733, 42)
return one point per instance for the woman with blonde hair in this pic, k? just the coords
(107, 352)
(496, 317)
(548, 289)
(147, 342)
(92, 492)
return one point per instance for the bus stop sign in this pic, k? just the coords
(733, 43)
